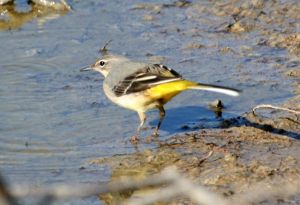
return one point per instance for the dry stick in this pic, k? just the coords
(85, 190)
(104, 49)
(292, 120)
(6, 198)
(203, 159)
(46, 200)
(180, 186)
(176, 185)
(254, 194)
(274, 107)
(264, 191)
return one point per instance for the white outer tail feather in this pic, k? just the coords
(226, 91)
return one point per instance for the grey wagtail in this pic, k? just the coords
(142, 86)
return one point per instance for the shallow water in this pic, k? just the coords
(54, 119)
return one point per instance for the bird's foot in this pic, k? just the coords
(154, 137)
(135, 139)
(155, 133)
(146, 128)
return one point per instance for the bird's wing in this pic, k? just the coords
(144, 78)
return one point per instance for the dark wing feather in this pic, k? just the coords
(145, 78)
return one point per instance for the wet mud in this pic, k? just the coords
(246, 150)
(240, 156)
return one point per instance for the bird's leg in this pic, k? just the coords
(162, 114)
(142, 117)
(136, 137)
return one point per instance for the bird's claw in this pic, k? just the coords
(134, 139)
(155, 134)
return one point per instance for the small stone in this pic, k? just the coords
(225, 50)
(229, 158)
(194, 46)
(216, 104)
(148, 18)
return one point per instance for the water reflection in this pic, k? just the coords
(12, 18)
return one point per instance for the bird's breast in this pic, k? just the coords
(134, 101)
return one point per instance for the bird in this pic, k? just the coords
(141, 86)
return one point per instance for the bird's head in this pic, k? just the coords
(106, 63)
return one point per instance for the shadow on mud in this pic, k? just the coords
(192, 118)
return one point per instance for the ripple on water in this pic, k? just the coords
(46, 114)
(34, 109)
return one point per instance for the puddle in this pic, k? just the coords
(54, 119)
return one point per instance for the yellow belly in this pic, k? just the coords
(150, 98)
(165, 92)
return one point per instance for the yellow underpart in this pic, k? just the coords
(165, 92)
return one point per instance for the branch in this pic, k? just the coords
(172, 185)
(264, 191)
(6, 198)
(180, 186)
(85, 190)
(274, 107)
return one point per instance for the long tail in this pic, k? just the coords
(215, 88)
(166, 91)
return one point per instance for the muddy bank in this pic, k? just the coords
(246, 150)
(241, 156)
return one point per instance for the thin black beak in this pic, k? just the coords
(88, 68)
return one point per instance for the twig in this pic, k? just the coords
(80, 190)
(205, 157)
(292, 120)
(6, 198)
(104, 49)
(263, 191)
(274, 107)
(180, 186)
(46, 200)
(174, 185)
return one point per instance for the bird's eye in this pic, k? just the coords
(101, 63)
